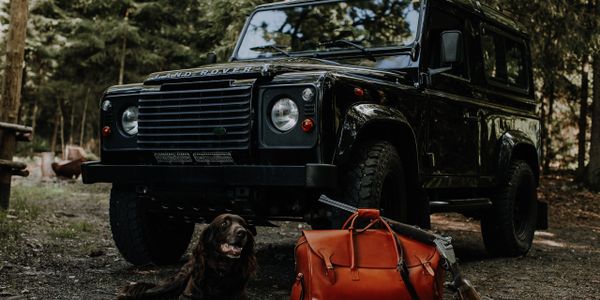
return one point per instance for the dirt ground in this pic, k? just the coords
(55, 243)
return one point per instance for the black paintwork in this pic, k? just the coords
(456, 135)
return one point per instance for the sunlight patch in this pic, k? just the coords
(544, 234)
(551, 243)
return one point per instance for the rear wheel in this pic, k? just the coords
(143, 237)
(375, 179)
(508, 229)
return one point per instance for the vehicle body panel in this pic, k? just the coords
(454, 132)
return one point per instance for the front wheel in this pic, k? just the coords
(508, 229)
(143, 237)
(375, 178)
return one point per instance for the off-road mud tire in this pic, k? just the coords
(508, 229)
(143, 237)
(374, 179)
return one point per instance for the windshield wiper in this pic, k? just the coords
(271, 47)
(333, 43)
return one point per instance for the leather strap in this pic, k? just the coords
(404, 272)
(409, 286)
(376, 218)
(329, 271)
(300, 282)
(369, 213)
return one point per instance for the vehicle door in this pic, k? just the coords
(453, 120)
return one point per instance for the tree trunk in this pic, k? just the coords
(62, 128)
(55, 133)
(123, 53)
(83, 118)
(543, 127)
(34, 114)
(72, 124)
(10, 97)
(593, 177)
(15, 55)
(583, 113)
(549, 154)
(36, 107)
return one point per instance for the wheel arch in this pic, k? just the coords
(365, 122)
(516, 145)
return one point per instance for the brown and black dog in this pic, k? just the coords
(219, 268)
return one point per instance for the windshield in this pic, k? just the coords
(319, 28)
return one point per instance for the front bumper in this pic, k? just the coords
(309, 176)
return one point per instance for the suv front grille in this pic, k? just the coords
(206, 116)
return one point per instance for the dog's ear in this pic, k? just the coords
(252, 229)
(205, 243)
(207, 237)
(249, 264)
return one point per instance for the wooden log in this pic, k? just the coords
(7, 164)
(22, 173)
(15, 127)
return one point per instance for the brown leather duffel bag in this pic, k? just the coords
(365, 263)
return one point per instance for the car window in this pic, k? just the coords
(490, 58)
(504, 59)
(515, 61)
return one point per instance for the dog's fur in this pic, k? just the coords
(216, 270)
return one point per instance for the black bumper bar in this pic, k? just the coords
(310, 175)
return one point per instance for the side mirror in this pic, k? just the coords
(452, 50)
(211, 58)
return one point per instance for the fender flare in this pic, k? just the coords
(517, 145)
(359, 118)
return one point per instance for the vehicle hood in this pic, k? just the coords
(268, 69)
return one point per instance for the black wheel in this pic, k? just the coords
(142, 237)
(509, 227)
(375, 179)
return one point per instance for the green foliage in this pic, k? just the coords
(9, 230)
(564, 34)
(72, 231)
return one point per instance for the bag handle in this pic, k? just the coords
(375, 216)
(363, 213)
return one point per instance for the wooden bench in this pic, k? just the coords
(10, 134)
(13, 168)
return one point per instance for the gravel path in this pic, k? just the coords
(55, 244)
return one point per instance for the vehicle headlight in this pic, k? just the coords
(284, 114)
(129, 120)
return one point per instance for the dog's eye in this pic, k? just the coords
(224, 224)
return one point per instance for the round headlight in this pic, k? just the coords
(284, 114)
(129, 121)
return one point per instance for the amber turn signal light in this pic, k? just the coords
(308, 125)
(106, 131)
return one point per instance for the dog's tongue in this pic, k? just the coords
(231, 250)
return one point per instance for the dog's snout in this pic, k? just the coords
(240, 232)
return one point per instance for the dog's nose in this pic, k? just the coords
(240, 232)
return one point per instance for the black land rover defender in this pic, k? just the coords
(415, 107)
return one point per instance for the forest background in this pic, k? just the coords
(77, 48)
